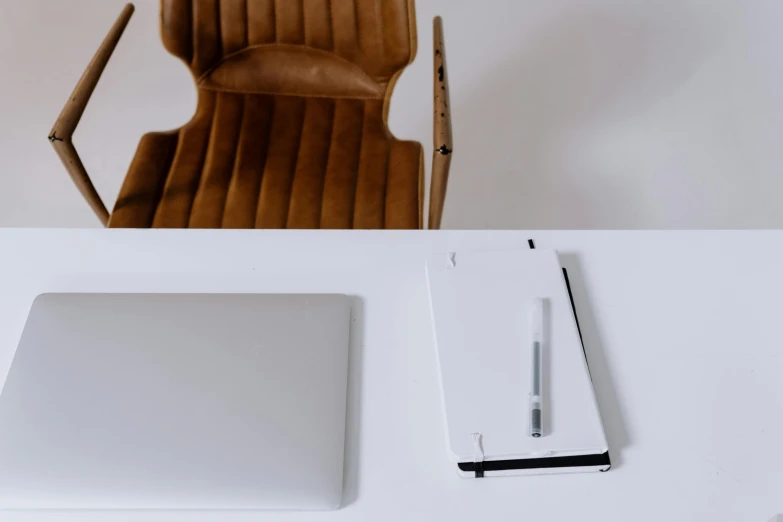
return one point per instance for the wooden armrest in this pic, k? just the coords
(62, 133)
(441, 156)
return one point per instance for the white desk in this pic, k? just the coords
(682, 331)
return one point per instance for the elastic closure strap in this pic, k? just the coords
(478, 455)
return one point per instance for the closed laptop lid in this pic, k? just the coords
(177, 402)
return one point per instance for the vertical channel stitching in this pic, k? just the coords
(296, 161)
(328, 158)
(358, 162)
(236, 157)
(266, 158)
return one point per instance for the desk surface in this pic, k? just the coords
(682, 332)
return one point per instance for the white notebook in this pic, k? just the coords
(481, 306)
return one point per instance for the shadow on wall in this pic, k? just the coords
(517, 129)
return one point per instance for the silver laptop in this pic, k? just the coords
(162, 401)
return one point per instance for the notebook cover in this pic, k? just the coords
(480, 309)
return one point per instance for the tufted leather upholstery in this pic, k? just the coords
(290, 129)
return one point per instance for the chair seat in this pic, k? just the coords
(270, 161)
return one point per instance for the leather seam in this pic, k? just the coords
(326, 164)
(275, 19)
(193, 35)
(356, 21)
(210, 144)
(269, 93)
(296, 164)
(167, 181)
(304, 22)
(358, 166)
(331, 25)
(337, 57)
(381, 42)
(386, 183)
(236, 159)
(247, 24)
(219, 28)
(272, 115)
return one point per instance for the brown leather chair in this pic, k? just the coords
(290, 129)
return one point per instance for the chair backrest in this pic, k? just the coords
(341, 48)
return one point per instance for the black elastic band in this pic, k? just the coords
(575, 461)
(573, 307)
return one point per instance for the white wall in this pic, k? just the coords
(567, 113)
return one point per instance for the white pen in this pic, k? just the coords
(536, 373)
